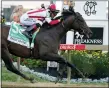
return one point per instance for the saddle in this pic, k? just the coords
(16, 35)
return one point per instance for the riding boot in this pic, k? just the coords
(27, 32)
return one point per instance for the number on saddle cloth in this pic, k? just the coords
(16, 36)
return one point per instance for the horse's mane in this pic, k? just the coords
(68, 13)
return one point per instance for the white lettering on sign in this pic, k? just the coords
(72, 47)
(67, 47)
(88, 41)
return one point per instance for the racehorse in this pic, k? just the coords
(46, 42)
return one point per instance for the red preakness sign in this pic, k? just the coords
(72, 46)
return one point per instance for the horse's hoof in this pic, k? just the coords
(84, 79)
(32, 80)
(58, 79)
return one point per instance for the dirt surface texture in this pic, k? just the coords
(48, 85)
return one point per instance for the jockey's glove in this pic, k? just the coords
(59, 20)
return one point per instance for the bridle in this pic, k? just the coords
(79, 21)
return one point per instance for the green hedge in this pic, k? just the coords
(95, 64)
(101, 63)
(31, 63)
(82, 61)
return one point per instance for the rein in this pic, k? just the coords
(63, 24)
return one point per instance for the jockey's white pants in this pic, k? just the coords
(25, 20)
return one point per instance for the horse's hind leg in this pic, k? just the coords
(9, 65)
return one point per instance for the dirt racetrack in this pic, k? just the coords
(47, 85)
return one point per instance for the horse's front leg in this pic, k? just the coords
(5, 55)
(59, 59)
(62, 69)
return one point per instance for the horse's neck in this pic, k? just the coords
(61, 30)
(64, 26)
(58, 30)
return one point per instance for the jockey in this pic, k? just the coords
(36, 18)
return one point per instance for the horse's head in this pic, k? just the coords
(76, 21)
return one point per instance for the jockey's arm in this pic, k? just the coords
(58, 15)
(51, 22)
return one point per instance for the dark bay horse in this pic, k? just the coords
(46, 43)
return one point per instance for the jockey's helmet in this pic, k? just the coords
(52, 7)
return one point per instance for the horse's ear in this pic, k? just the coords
(78, 14)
